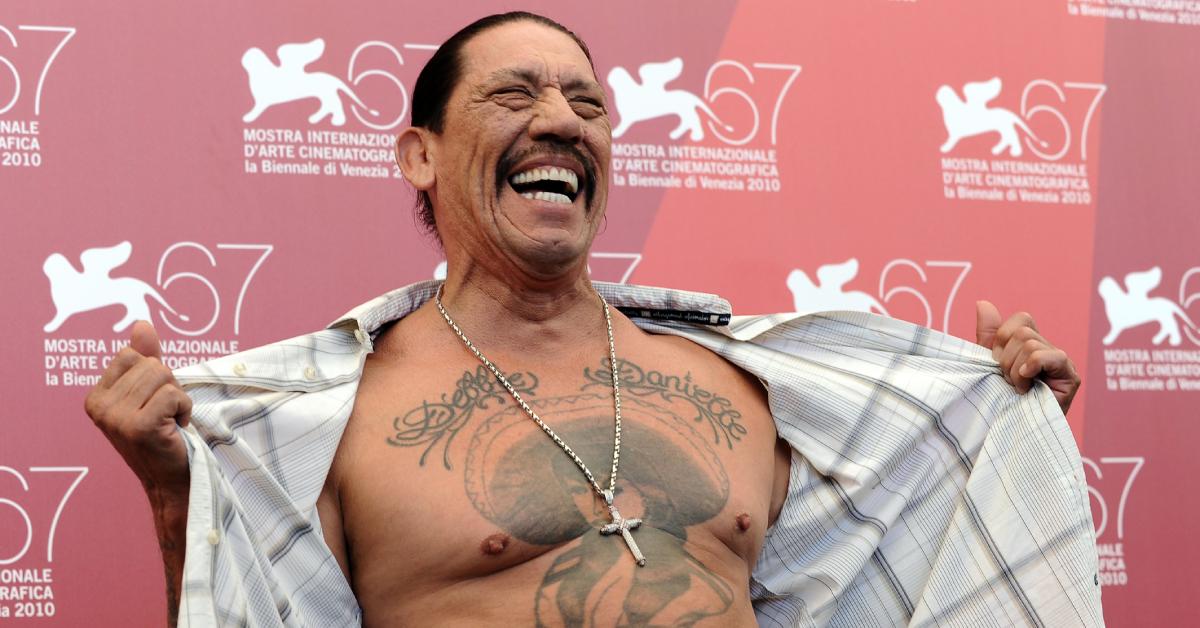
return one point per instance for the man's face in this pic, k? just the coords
(523, 160)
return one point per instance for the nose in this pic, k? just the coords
(555, 119)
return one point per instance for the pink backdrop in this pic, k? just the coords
(816, 164)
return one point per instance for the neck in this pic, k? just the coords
(514, 311)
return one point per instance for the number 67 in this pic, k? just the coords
(82, 471)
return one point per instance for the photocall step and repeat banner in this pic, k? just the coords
(224, 169)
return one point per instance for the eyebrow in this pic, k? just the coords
(533, 77)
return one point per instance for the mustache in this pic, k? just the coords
(550, 149)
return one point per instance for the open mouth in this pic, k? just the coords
(546, 183)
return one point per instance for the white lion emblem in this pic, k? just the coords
(826, 294)
(74, 292)
(636, 102)
(1133, 307)
(971, 116)
(272, 84)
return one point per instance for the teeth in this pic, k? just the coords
(552, 197)
(548, 174)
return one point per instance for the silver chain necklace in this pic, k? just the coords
(619, 525)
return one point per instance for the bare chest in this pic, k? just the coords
(455, 484)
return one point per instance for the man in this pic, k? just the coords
(463, 493)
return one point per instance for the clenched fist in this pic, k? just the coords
(138, 404)
(1024, 355)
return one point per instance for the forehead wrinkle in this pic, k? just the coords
(522, 74)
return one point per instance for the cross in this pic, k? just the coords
(622, 525)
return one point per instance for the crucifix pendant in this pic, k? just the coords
(622, 526)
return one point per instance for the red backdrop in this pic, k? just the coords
(908, 157)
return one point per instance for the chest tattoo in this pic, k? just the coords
(671, 478)
(435, 423)
(711, 408)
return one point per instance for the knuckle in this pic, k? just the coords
(127, 355)
(1031, 345)
(161, 371)
(96, 406)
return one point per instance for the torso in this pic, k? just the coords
(447, 505)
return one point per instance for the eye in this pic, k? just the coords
(587, 106)
(515, 90)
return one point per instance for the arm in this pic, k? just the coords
(138, 406)
(170, 524)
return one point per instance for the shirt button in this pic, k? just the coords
(213, 537)
(310, 373)
(239, 369)
(361, 336)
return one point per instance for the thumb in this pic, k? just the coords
(144, 340)
(987, 323)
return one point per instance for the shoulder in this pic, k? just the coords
(685, 353)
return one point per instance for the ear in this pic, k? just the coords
(415, 158)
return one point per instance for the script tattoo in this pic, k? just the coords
(434, 423)
(670, 476)
(717, 411)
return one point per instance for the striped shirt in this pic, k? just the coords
(924, 490)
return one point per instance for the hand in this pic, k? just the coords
(1024, 355)
(137, 404)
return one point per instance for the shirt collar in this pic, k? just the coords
(658, 304)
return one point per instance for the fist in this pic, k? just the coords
(137, 405)
(1024, 355)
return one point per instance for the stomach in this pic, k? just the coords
(590, 581)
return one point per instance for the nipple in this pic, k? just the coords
(743, 522)
(494, 544)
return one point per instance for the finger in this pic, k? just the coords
(1011, 326)
(1012, 348)
(1059, 374)
(144, 340)
(170, 402)
(1050, 362)
(124, 360)
(157, 376)
(987, 322)
(1019, 372)
(137, 385)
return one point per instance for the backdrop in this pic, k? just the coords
(224, 169)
